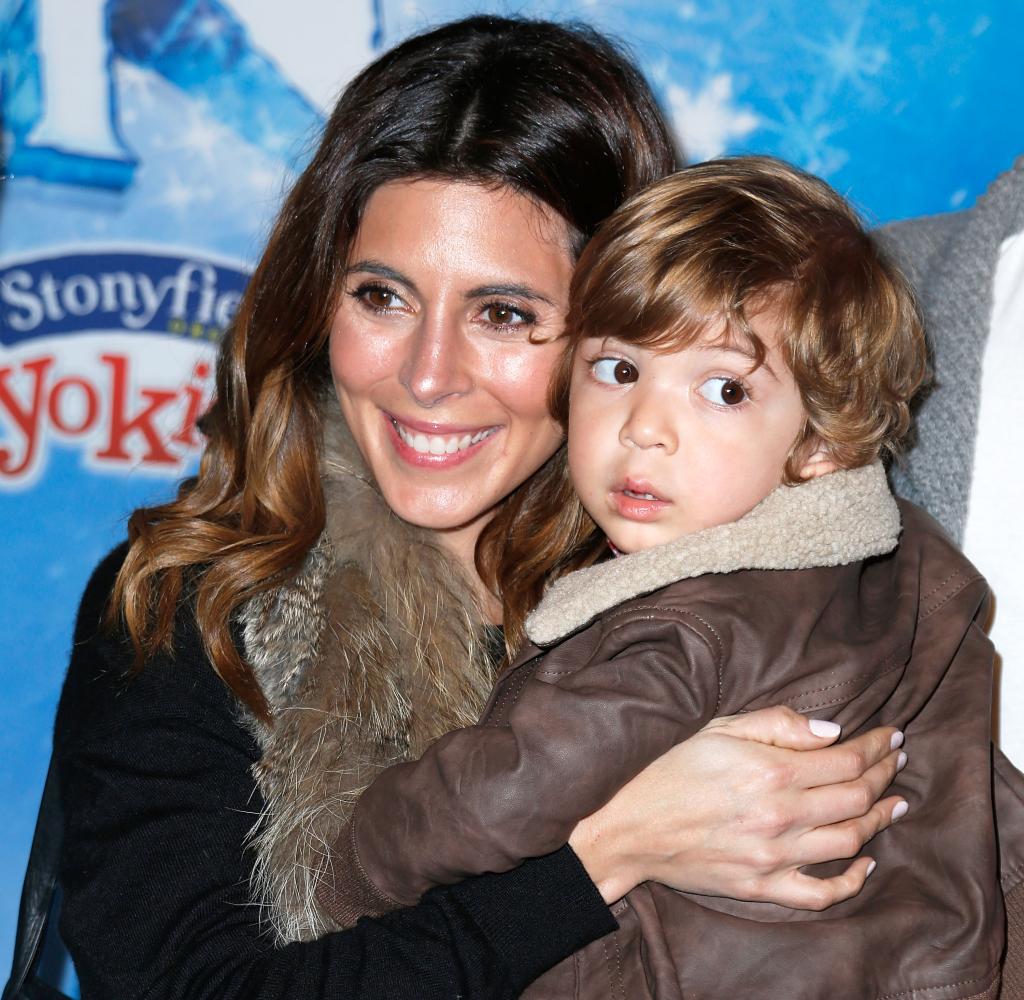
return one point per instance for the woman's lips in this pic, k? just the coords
(437, 445)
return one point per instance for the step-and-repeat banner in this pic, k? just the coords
(146, 145)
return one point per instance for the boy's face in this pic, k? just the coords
(662, 445)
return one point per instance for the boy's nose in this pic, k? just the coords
(435, 365)
(649, 424)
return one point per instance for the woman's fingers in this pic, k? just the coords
(778, 727)
(828, 804)
(804, 892)
(782, 727)
(848, 760)
(739, 808)
(845, 839)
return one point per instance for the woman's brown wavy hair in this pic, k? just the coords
(552, 111)
(707, 249)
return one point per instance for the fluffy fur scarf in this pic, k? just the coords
(373, 651)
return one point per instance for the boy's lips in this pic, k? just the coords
(437, 445)
(636, 500)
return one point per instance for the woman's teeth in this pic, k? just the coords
(640, 496)
(432, 444)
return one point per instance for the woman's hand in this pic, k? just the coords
(738, 808)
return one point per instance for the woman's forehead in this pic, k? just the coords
(469, 229)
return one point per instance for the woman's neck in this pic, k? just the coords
(460, 543)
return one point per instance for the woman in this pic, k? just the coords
(315, 605)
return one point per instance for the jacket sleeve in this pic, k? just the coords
(158, 794)
(483, 798)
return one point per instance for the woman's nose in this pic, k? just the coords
(437, 364)
(649, 423)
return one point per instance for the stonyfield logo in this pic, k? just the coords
(136, 292)
(111, 354)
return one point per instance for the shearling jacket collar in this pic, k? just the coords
(368, 655)
(833, 520)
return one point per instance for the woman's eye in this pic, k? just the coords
(615, 371)
(377, 298)
(380, 298)
(502, 314)
(723, 391)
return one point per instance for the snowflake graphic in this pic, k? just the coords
(845, 59)
(707, 121)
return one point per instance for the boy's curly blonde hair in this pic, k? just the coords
(712, 245)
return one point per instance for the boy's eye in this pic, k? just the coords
(723, 391)
(615, 371)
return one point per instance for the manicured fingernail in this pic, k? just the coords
(897, 741)
(901, 761)
(900, 810)
(824, 728)
(872, 867)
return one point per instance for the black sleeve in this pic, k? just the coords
(158, 795)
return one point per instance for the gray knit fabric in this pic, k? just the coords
(951, 259)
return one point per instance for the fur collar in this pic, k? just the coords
(836, 519)
(373, 651)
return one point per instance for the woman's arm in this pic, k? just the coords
(159, 797)
(157, 897)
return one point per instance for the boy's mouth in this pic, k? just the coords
(640, 496)
(638, 489)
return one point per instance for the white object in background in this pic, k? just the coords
(994, 536)
(74, 54)
(318, 46)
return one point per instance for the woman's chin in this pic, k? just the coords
(438, 510)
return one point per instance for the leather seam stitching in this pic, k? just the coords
(872, 674)
(619, 981)
(375, 889)
(511, 696)
(939, 586)
(988, 977)
(928, 612)
(1013, 877)
(690, 614)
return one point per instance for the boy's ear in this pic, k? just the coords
(818, 462)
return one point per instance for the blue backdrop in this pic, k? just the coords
(146, 146)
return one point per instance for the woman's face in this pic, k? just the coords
(431, 350)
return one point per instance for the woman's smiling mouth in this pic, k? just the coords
(415, 444)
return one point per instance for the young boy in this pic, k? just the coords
(739, 358)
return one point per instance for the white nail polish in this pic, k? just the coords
(896, 742)
(824, 728)
(872, 867)
(901, 761)
(900, 810)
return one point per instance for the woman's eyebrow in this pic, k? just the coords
(516, 291)
(382, 270)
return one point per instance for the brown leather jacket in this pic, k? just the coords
(805, 602)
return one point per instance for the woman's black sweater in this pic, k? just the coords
(158, 795)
